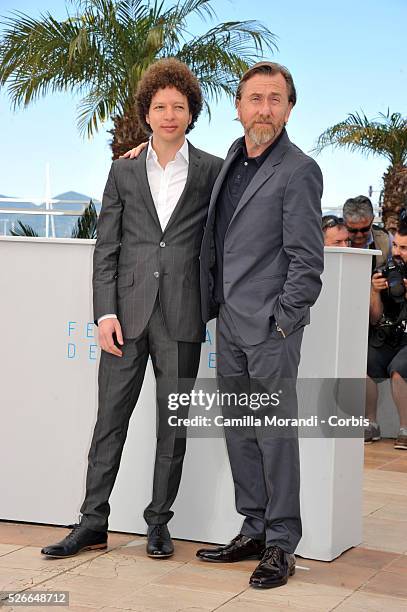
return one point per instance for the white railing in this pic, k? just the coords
(49, 212)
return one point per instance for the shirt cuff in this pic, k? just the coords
(108, 316)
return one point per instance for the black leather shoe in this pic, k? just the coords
(239, 549)
(274, 569)
(79, 539)
(159, 543)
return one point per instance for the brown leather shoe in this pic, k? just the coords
(274, 569)
(239, 549)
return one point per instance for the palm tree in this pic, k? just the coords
(102, 49)
(385, 136)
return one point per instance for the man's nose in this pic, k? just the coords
(169, 112)
(266, 108)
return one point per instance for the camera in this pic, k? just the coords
(386, 332)
(395, 271)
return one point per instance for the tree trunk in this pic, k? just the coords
(127, 133)
(395, 192)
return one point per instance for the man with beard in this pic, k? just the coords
(261, 261)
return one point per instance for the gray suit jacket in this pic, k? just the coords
(134, 260)
(273, 250)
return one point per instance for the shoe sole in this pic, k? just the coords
(160, 556)
(401, 447)
(272, 586)
(93, 547)
(252, 558)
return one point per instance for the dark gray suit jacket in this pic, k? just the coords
(273, 250)
(134, 259)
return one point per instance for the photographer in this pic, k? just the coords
(358, 216)
(387, 354)
(335, 231)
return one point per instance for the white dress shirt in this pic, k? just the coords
(166, 186)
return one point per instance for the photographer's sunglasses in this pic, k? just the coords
(332, 222)
(357, 230)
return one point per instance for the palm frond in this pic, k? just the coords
(93, 110)
(385, 135)
(23, 230)
(182, 10)
(85, 226)
(42, 56)
(249, 39)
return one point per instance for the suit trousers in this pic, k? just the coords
(120, 382)
(264, 460)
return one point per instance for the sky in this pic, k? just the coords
(345, 56)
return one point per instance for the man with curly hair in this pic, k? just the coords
(146, 298)
(261, 260)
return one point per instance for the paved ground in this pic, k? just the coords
(370, 577)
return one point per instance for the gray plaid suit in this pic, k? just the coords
(149, 278)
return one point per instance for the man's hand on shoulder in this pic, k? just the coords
(109, 329)
(134, 152)
(379, 283)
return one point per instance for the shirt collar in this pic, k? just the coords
(370, 239)
(260, 158)
(182, 153)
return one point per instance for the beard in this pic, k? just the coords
(261, 134)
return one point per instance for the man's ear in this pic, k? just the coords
(290, 107)
(147, 119)
(237, 105)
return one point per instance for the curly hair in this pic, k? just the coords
(168, 72)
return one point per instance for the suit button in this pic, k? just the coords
(162, 244)
(156, 274)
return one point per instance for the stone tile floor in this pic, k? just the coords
(371, 577)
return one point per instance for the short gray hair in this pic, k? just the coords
(358, 208)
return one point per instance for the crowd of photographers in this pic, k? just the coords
(387, 349)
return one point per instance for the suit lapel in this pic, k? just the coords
(264, 173)
(222, 175)
(190, 185)
(142, 181)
